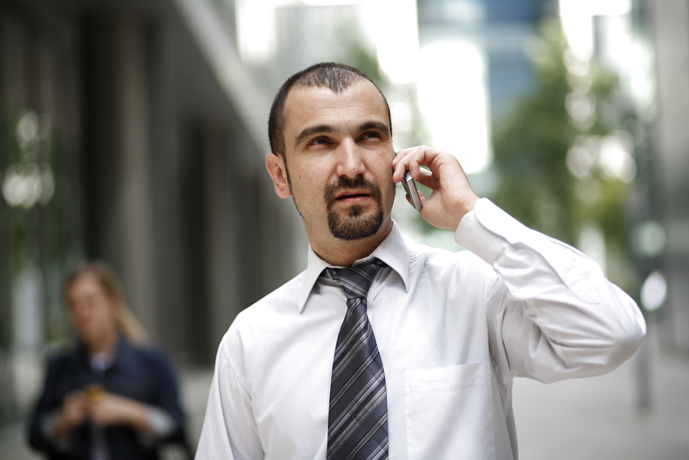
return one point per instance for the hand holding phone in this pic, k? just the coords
(410, 187)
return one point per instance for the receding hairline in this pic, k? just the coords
(318, 79)
(296, 88)
(335, 77)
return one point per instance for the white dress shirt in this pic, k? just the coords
(453, 330)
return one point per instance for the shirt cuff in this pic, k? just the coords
(160, 423)
(485, 230)
(48, 429)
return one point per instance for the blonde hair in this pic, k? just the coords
(127, 323)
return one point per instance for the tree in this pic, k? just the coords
(562, 156)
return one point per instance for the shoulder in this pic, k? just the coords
(146, 359)
(283, 300)
(61, 353)
(426, 258)
(436, 268)
(148, 352)
(268, 313)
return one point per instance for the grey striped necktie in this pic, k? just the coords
(358, 420)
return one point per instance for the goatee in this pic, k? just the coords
(351, 224)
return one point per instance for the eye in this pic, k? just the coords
(370, 135)
(319, 141)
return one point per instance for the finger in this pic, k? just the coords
(74, 405)
(415, 168)
(425, 156)
(75, 396)
(78, 417)
(426, 178)
(403, 153)
(419, 157)
(401, 162)
(98, 419)
(398, 172)
(99, 415)
(398, 168)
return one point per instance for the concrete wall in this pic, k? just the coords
(671, 31)
(165, 179)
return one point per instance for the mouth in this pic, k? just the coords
(352, 195)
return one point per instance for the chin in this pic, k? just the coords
(355, 226)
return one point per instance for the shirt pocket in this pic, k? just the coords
(449, 412)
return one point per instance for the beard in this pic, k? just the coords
(352, 224)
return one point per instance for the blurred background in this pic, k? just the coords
(135, 131)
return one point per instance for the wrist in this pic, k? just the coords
(462, 209)
(137, 416)
(61, 425)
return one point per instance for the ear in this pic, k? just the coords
(275, 165)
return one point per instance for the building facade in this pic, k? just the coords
(131, 133)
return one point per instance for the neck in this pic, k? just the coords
(343, 253)
(104, 344)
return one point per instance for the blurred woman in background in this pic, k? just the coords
(109, 396)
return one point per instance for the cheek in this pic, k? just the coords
(74, 319)
(387, 187)
(384, 178)
(389, 193)
(77, 313)
(310, 179)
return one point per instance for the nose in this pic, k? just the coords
(80, 311)
(350, 160)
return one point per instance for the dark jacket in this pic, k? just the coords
(141, 373)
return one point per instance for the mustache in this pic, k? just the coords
(343, 183)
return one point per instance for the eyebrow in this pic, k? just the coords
(325, 129)
(375, 125)
(308, 132)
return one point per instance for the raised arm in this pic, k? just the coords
(552, 312)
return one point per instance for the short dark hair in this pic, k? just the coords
(336, 77)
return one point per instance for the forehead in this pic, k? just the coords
(314, 106)
(83, 284)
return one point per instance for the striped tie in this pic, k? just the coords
(358, 420)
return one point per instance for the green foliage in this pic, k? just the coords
(531, 144)
(356, 54)
(43, 234)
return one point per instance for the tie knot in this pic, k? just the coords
(356, 280)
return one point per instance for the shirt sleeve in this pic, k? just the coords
(160, 424)
(229, 430)
(165, 415)
(552, 313)
(42, 420)
(47, 427)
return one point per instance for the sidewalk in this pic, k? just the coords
(597, 418)
(195, 386)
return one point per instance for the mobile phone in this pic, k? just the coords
(410, 187)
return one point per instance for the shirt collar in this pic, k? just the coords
(122, 350)
(392, 250)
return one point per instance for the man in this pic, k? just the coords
(411, 353)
